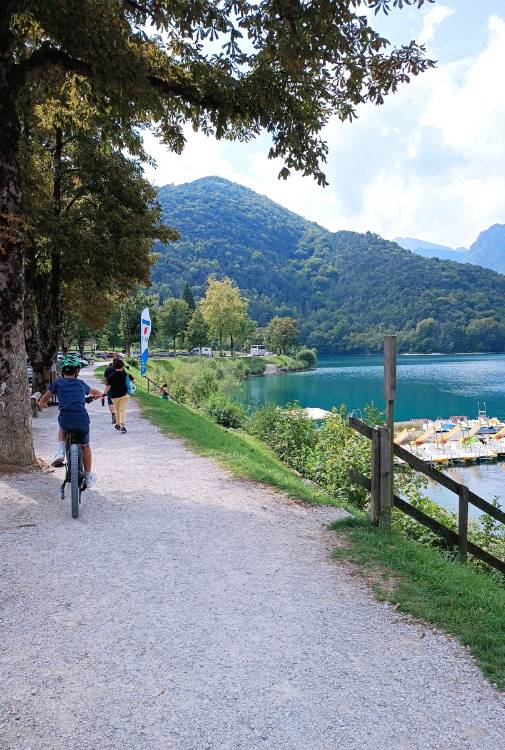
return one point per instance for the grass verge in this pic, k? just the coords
(243, 455)
(458, 599)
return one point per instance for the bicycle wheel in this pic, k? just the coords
(75, 490)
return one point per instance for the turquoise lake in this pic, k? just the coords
(428, 386)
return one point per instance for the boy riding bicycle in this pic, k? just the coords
(73, 417)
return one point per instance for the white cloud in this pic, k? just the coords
(432, 21)
(429, 163)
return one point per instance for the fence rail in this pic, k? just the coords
(380, 441)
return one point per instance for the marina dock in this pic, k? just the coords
(457, 440)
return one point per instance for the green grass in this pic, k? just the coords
(458, 599)
(235, 450)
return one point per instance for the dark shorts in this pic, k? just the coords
(109, 400)
(81, 430)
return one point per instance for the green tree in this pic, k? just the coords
(281, 333)
(101, 225)
(247, 333)
(224, 310)
(137, 63)
(187, 296)
(175, 315)
(197, 333)
(74, 330)
(425, 335)
(486, 335)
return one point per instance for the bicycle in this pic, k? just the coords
(74, 474)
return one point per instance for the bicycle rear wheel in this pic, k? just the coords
(75, 490)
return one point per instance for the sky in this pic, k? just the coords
(429, 163)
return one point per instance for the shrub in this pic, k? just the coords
(224, 410)
(308, 356)
(338, 449)
(193, 383)
(263, 423)
(289, 432)
(291, 365)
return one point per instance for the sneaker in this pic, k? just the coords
(90, 480)
(59, 459)
(123, 429)
(117, 426)
(113, 418)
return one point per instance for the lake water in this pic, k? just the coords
(428, 386)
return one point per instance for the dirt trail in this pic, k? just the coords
(185, 609)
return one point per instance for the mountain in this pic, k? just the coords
(346, 289)
(429, 250)
(487, 251)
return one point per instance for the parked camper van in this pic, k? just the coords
(258, 350)
(203, 351)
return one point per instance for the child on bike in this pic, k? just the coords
(73, 417)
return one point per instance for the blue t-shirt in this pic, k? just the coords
(71, 393)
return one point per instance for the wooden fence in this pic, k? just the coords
(380, 484)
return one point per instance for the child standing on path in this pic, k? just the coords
(117, 387)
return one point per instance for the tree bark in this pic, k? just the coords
(44, 335)
(34, 348)
(15, 412)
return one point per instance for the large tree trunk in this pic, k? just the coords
(49, 332)
(15, 413)
(45, 289)
(34, 348)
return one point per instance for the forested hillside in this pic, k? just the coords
(345, 289)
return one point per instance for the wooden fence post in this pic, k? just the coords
(463, 524)
(390, 352)
(376, 477)
(386, 478)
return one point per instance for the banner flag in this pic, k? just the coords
(145, 332)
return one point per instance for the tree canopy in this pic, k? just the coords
(198, 331)
(224, 311)
(281, 333)
(230, 68)
(175, 315)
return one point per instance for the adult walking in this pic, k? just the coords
(118, 388)
(108, 372)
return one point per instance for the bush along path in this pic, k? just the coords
(189, 609)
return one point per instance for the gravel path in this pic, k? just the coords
(188, 610)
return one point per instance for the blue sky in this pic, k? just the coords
(429, 163)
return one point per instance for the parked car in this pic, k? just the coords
(83, 360)
(29, 372)
(202, 351)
